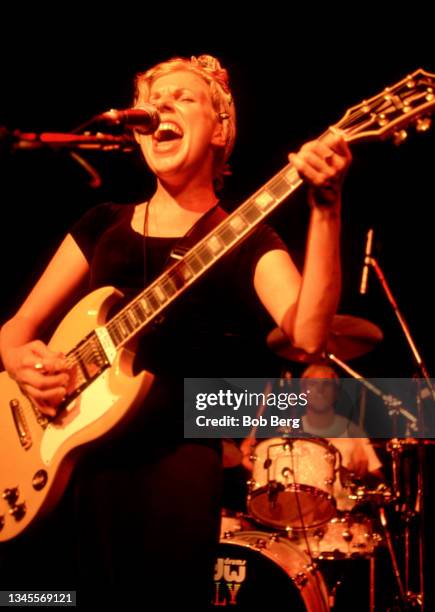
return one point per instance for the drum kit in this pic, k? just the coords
(280, 550)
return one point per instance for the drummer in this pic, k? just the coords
(358, 458)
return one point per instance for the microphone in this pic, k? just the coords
(144, 120)
(367, 256)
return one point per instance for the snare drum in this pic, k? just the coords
(292, 482)
(256, 570)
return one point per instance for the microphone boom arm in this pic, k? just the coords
(60, 140)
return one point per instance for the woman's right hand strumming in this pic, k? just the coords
(42, 374)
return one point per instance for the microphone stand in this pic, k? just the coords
(372, 261)
(421, 367)
(72, 142)
(60, 140)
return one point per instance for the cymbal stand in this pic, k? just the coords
(395, 448)
(389, 540)
(392, 403)
(419, 502)
(421, 367)
(408, 514)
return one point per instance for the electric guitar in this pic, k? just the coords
(37, 454)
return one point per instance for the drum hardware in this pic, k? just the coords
(301, 578)
(395, 448)
(409, 512)
(393, 404)
(409, 597)
(382, 495)
(319, 533)
(288, 577)
(275, 537)
(396, 570)
(273, 489)
(337, 538)
(344, 537)
(346, 346)
(261, 543)
(333, 592)
(233, 522)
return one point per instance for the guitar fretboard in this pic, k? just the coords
(230, 232)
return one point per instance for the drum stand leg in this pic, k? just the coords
(396, 571)
(372, 582)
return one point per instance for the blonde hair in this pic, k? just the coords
(216, 77)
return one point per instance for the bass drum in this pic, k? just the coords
(257, 570)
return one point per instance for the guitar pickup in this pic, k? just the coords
(20, 424)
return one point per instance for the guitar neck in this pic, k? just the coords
(380, 116)
(154, 300)
(407, 102)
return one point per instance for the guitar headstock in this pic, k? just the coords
(412, 100)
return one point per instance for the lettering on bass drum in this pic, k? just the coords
(256, 570)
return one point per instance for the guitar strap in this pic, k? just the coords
(201, 228)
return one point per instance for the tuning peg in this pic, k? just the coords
(400, 136)
(423, 124)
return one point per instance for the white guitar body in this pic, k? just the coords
(34, 477)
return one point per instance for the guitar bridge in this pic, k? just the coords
(20, 424)
(90, 359)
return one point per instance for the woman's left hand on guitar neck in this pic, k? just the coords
(323, 163)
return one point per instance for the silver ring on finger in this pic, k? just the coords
(39, 366)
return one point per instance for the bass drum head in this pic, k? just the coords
(255, 570)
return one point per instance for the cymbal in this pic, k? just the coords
(350, 337)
